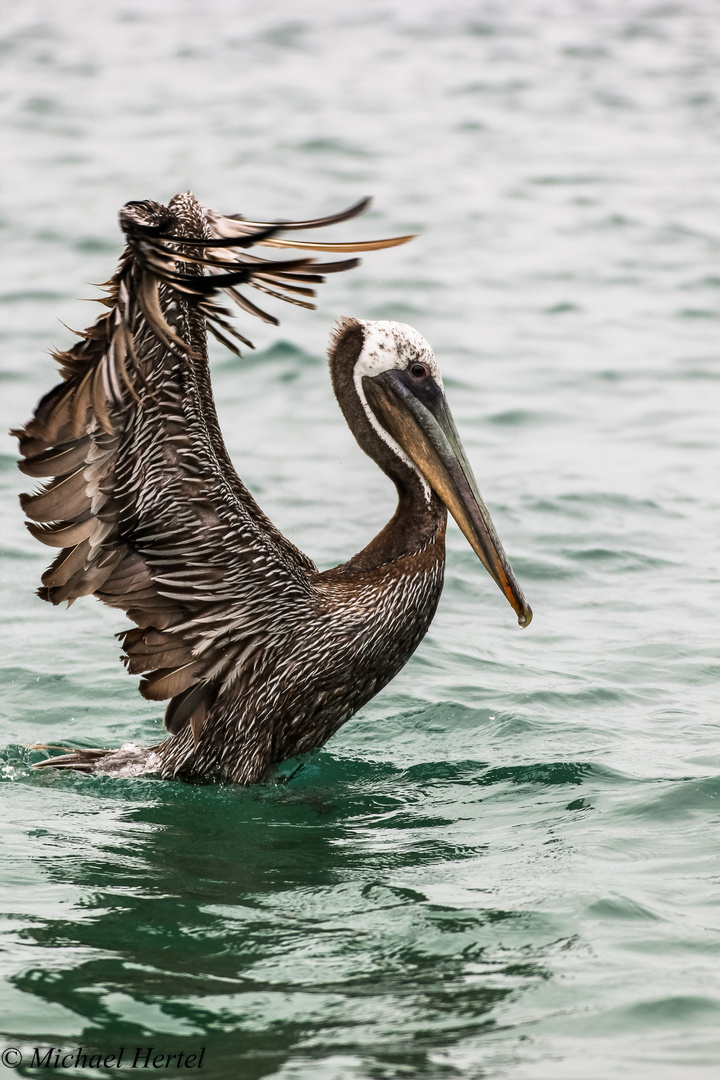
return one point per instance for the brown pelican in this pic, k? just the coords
(261, 656)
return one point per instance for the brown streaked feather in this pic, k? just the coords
(153, 660)
(87, 580)
(130, 594)
(82, 400)
(361, 245)
(333, 267)
(148, 299)
(146, 507)
(68, 562)
(281, 296)
(61, 500)
(151, 643)
(191, 707)
(252, 309)
(106, 388)
(150, 616)
(62, 535)
(198, 717)
(315, 223)
(302, 290)
(55, 425)
(124, 350)
(130, 574)
(134, 640)
(58, 461)
(167, 683)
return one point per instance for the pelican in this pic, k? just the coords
(260, 657)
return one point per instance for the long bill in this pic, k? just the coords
(426, 431)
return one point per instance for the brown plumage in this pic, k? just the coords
(260, 656)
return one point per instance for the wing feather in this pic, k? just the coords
(143, 501)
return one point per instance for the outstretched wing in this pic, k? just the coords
(144, 504)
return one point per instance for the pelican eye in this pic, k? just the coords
(419, 371)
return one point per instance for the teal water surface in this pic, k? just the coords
(507, 864)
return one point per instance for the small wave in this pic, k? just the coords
(521, 418)
(676, 799)
(627, 560)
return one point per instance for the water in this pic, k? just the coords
(506, 865)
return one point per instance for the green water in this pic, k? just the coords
(507, 865)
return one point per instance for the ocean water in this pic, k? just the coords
(506, 866)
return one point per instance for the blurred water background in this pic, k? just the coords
(507, 864)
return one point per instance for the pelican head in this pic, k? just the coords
(398, 383)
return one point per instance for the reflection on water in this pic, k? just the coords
(259, 921)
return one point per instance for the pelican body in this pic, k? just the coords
(260, 656)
